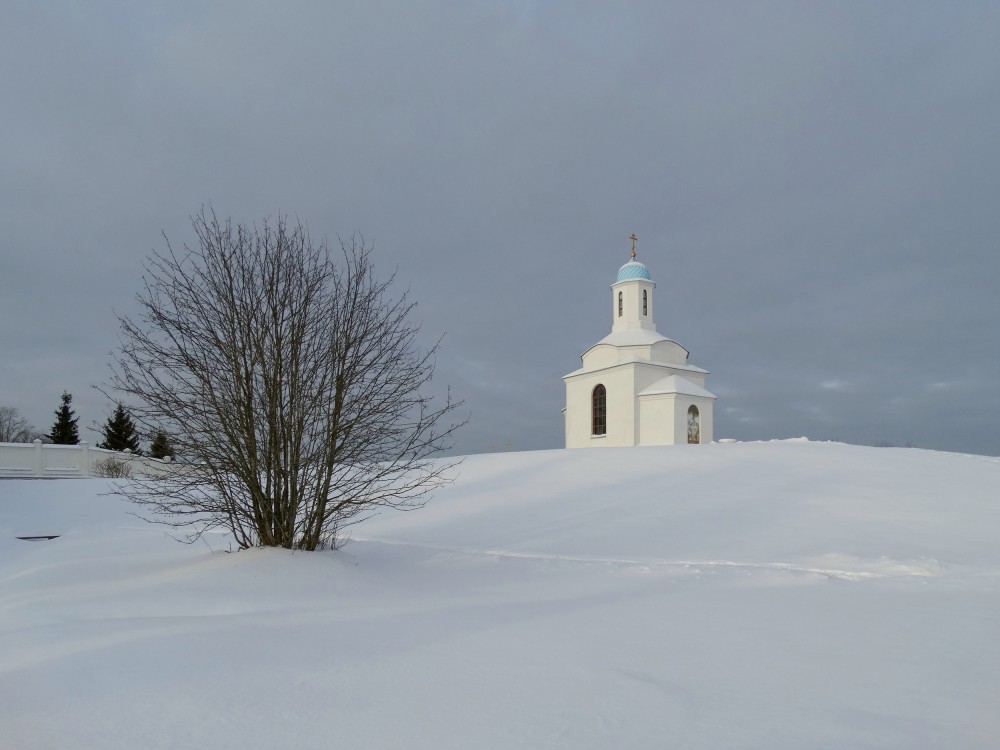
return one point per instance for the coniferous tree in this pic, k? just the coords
(120, 432)
(161, 446)
(64, 431)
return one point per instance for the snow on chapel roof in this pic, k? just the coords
(676, 384)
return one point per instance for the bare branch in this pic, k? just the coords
(14, 428)
(291, 380)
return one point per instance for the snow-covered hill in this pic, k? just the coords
(760, 595)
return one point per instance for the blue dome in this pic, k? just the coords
(632, 270)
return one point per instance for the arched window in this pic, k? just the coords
(644, 308)
(619, 304)
(599, 400)
(694, 425)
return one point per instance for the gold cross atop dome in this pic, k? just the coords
(633, 238)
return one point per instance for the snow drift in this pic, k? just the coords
(772, 595)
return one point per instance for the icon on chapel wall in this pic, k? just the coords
(694, 426)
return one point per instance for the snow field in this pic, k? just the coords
(761, 595)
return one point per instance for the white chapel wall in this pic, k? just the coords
(621, 424)
(632, 317)
(602, 355)
(656, 420)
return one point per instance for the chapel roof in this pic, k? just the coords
(632, 270)
(633, 359)
(676, 384)
(634, 337)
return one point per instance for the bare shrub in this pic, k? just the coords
(291, 376)
(14, 428)
(112, 468)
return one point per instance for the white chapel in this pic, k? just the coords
(636, 386)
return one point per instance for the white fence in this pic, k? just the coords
(38, 460)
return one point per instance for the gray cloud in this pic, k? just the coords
(814, 187)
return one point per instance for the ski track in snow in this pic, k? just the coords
(886, 568)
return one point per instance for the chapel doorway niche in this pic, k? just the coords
(694, 425)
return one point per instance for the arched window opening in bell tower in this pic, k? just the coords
(644, 305)
(599, 410)
(694, 425)
(619, 304)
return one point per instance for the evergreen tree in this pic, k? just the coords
(161, 446)
(119, 432)
(64, 431)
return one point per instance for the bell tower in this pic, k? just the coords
(632, 297)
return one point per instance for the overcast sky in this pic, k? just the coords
(815, 187)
